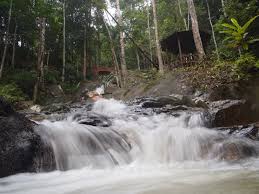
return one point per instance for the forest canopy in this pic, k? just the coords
(64, 41)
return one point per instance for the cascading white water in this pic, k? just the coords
(137, 154)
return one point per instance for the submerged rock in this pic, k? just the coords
(92, 119)
(20, 145)
(237, 150)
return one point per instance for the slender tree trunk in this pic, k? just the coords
(223, 8)
(138, 60)
(114, 57)
(212, 29)
(181, 14)
(43, 51)
(40, 59)
(85, 55)
(158, 46)
(149, 33)
(6, 39)
(188, 20)
(122, 44)
(99, 54)
(14, 46)
(47, 62)
(195, 30)
(64, 41)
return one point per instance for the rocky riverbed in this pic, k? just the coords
(21, 141)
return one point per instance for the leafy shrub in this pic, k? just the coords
(25, 80)
(245, 64)
(12, 92)
(70, 88)
(51, 77)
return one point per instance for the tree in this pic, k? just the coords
(6, 39)
(122, 44)
(223, 8)
(237, 35)
(149, 32)
(195, 30)
(158, 46)
(115, 61)
(64, 41)
(40, 60)
(212, 30)
(181, 14)
(14, 45)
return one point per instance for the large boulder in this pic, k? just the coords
(226, 113)
(21, 148)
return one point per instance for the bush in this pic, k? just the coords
(70, 88)
(245, 65)
(12, 93)
(25, 80)
(51, 77)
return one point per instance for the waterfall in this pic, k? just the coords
(122, 151)
(131, 138)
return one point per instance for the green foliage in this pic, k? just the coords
(12, 92)
(52, 77)
(237, 35)
(245, 65)
(23, 79)
(70, 88)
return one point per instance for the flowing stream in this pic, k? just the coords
(139, 154)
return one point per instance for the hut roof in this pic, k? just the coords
(186, 40)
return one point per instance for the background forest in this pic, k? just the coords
(47, 42)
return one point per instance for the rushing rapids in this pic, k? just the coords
(124, 152)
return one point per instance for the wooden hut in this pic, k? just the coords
(182, 45)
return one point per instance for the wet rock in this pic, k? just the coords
(237, 150)
(56, 108)
(23, 105)
(56, 90)
(92, 119)
(232, 112)
(20, 145)
(36, 108)
(249, 131)
(159, 102)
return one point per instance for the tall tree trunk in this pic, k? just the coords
(43, 51)
(85, 55)
(195, 30)
(212, 30)
(223, 8)
(99, 52)
(181, 14)
(149, 34)
(122, 44)
(14, 45)
(47, 62)
(188, 20)
(64, 41)
(138, 60)
(114, 57)
(158, 46)
(40, 59)
(6, 39)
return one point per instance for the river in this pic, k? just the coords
(137, 154)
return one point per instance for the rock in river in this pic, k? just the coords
(20, 146)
